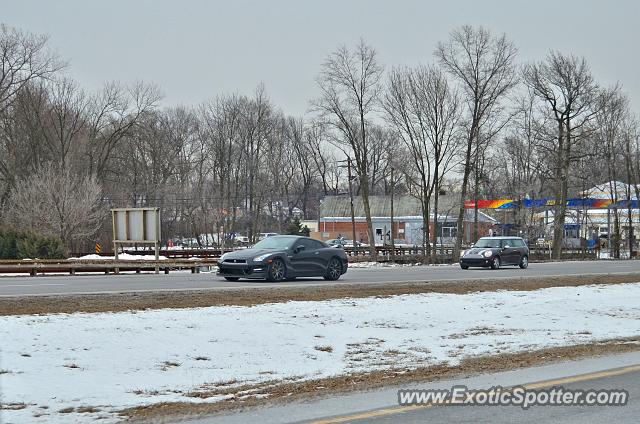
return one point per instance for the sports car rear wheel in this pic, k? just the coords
(276, 271)
(334, 270)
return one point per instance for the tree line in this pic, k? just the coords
(472, 121)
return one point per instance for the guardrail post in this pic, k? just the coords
(157, 252)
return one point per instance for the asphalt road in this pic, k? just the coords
(87, 284)
(380, 406)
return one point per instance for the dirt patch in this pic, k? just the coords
(255, 296)
(12, 406)
(262, 395)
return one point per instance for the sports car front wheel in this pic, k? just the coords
(276, 271)
(334, 270)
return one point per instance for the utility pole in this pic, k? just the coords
(393, 245)
(353, 217)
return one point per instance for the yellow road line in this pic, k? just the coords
(542, 384)
(372, 414)
(584, 377)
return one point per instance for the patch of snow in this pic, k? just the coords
(605, 254)
(391, 264)
(121, 257)
(116, 360)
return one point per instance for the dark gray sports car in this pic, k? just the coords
(280, 258)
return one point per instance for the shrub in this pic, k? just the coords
(22, 245)
(296, 228)
(8, 248)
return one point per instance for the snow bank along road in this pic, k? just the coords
(35, 286)
(81, 367)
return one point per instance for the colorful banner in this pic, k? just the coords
(541, 203)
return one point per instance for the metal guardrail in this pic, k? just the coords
(186, 259)
(108, 266)
(183, 253)
(442, 252)
(385, 253)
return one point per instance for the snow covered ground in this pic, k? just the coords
(110, 361)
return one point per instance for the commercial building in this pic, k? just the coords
(408, 224)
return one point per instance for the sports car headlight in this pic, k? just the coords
(261, 257)
(487, 253)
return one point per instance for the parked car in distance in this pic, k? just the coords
(241, 240)
(349, 243)
(400, 243)
(336, 242)
(344, 243)
(494, 252)
(278, 258)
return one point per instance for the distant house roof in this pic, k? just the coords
(337, 206)
(607, 189)
(403, 206)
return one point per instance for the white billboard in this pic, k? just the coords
(136, 225)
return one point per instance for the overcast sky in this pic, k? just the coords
(196, 50)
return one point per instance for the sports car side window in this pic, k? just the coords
(308, 244)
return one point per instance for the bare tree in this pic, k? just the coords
(610, 123)
(24, 58)
(484, 66)
(350, 86)
(631, 137)
(303, 154)
(63, 122)
(58, 202)
(523, 162)
(221, 122)
(482, 160)
(521, 165)
(567, 88)
(424, 110)
(257, 128)
(112, 114)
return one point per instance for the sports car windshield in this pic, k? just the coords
(273, 243)
(487, 243)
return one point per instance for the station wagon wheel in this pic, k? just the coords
(495, 264)
(524, 262)
(276, 271)
(334, 270)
